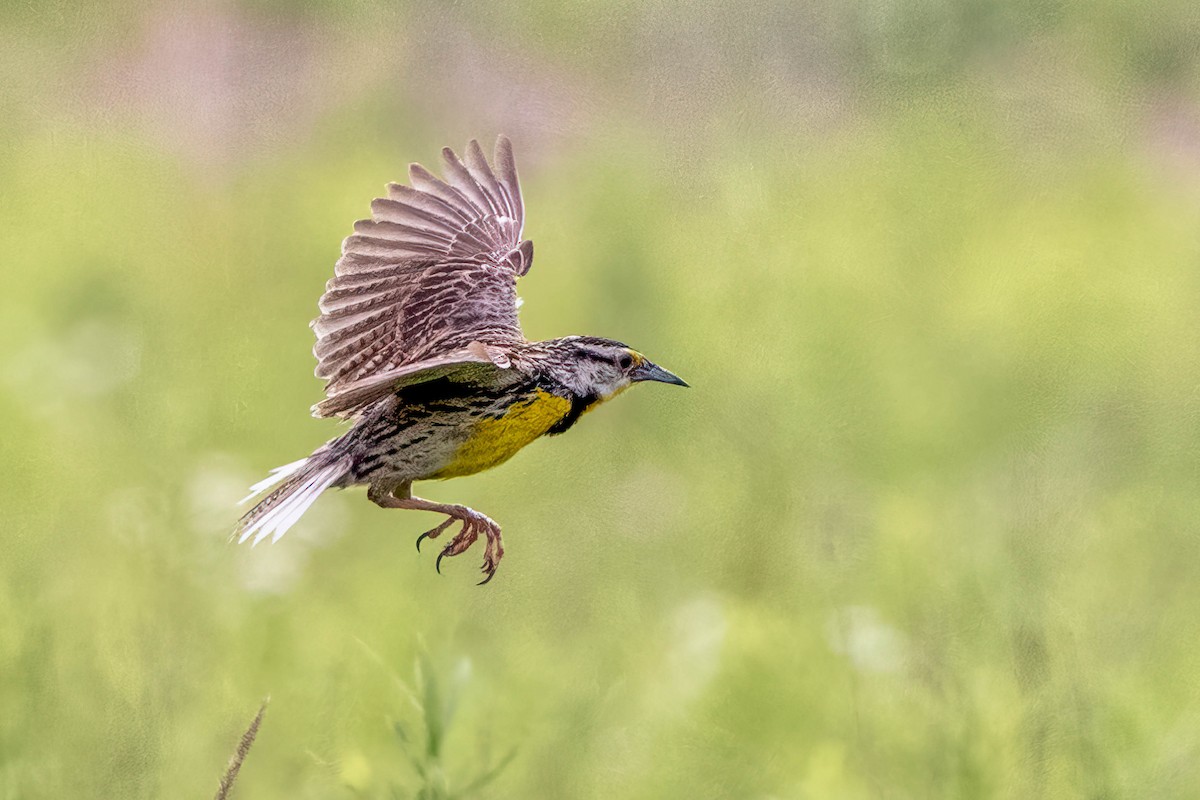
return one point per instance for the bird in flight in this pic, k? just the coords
(419, 342)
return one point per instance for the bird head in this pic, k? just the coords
(601, 368)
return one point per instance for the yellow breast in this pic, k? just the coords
(494, 441)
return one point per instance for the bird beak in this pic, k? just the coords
(647, 371)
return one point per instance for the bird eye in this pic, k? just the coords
(625, 361)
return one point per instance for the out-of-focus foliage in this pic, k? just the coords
(926, 525)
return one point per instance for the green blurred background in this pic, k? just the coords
(926, 525)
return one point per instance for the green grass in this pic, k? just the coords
(925, 525)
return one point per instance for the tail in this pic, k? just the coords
(302, 482)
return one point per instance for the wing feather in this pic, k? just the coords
(400, 232)
(506, 177)
(425, 181)
(483, 176)
(466, 365)
(432, 271)
(431, 208)
(462, 182)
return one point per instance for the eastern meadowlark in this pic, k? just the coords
(419, 341)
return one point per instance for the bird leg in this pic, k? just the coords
(473, 524)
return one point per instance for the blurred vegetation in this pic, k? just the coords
(926, 525)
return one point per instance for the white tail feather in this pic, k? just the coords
(282, 508)
(277, 476)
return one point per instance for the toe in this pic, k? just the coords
(434, 532)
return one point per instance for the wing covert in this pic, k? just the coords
(473, 364)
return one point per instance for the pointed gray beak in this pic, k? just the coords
(647, 371)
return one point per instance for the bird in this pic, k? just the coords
(420, 346)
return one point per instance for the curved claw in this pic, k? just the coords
(435, 532)
(438, 564)
(490, 575)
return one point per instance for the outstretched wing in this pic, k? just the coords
(432, 271)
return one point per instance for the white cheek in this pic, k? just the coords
(616, 386)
